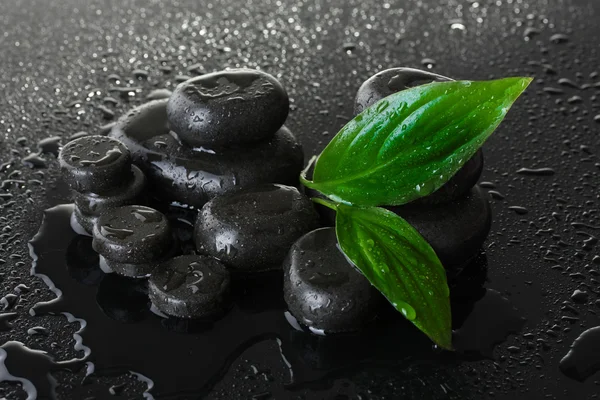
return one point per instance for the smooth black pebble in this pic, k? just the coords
(394, 80)
(179, 173)
(228, 108)
(391, 81)
(95, 164)
(132, 235)
(253, 229)
(92, 204)
(190, 286)
(322, 289)
(456, 231)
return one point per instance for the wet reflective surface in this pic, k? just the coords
(64, 65)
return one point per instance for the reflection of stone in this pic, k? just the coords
(493, 318)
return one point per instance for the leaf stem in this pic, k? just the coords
(326, 203)
(303, 179)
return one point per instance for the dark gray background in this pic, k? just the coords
(53, 53)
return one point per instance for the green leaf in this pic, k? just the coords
(409, 144)
(400, 264)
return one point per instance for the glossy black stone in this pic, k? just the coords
(129, 194)
(82, 223)
(459, 185)
(228, 108)
(178, 173)
(190, 286)
(253, 229)
(132, 234)
(394, 80)
(391, 81)
(322, 289)
(95, 164)
(457, 230)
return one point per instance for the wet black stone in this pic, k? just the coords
(394, 80)
(190, 286)
(178, 173)
(322, 289)
(459, 185)
(253, 229)
(95, 164)
(83, 223)
(457, 230)
(391, 81)
(132, 234)
(93, 204)
(228, 108)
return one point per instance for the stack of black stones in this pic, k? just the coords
(218, 148)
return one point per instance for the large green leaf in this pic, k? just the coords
(409, 144)
(400, 264)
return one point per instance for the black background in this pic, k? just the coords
(56, 57)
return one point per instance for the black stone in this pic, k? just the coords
(253, 229)
(82, 223)
(95, 164)
(129, 194)
(391, 81)
(459, 185)
(228, 108)
(190, 286)
(132, 234)
(394, 80)
(178, 173)
(322, 289)
(457, 230)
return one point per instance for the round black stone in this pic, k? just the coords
(322, 289)
(253, 229)
(190, 286)
(132, 234)
(394, 80)
(391, 81)
(456, 231)
(94, 204)
(228, 108)
(95, 164)
(82, 224)
(181, 174)
(459, 185)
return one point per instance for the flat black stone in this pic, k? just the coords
(457, 230)
(178, 173)
(132, 234)
(83, 223)
(129, 194)
(95, 164)
(322, 289)
(228, 108)
(190, 286)
(394, 80)
(253, 229)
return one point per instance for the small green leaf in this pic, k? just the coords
(400, 264)
(409, 144)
